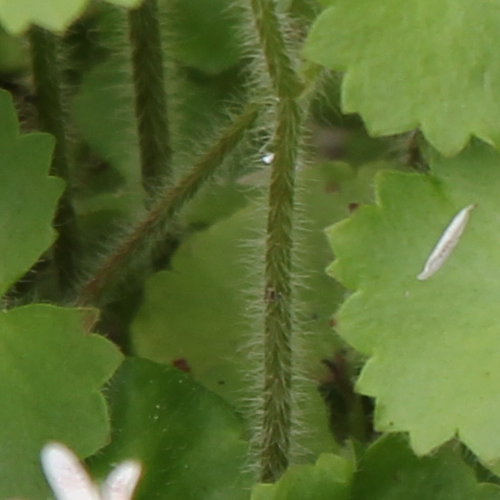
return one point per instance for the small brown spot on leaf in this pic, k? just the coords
(182, 364)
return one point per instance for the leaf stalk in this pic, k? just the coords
(163, 210)
(150, 94)
(277, 402)
(44, 48)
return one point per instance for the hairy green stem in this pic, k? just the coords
(163, 209)
(279, 323)
(278, 356)
(150, 95)
(51, 118)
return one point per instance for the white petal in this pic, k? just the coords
(121, 482)
(66, 476)
(446, 244)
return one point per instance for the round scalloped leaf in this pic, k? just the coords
(189, 440)
(28, 196)
(328, 479)
(427, 63)
(54, 15)
(433, 345)
(51, 372)
(390, 471)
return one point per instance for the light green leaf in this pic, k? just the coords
(390, 471)
(206, 323)
(51, 371)
(187, 438)
(433, 345)
(429, 63)
(329, 479)
(54, 15)
(328, 192)
(28, 196)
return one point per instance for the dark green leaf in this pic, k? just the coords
(188, 439)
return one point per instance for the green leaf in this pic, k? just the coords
(103, 113)
(204, 34)
(433, 345)
(110, 186)
(28, 196)
(187, 438)
(206, 318)
(13, 54)
(54, 15)
(215, 201)
(200, 104)
(329, 479)
(51, 371)
(390, 471)
(487, 492)
(430, 64)
(328, 192)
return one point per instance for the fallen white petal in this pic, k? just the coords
(66, 476)
(69, 479)
(121, 482)
(447, 243)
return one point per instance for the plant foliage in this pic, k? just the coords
(190, 181)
